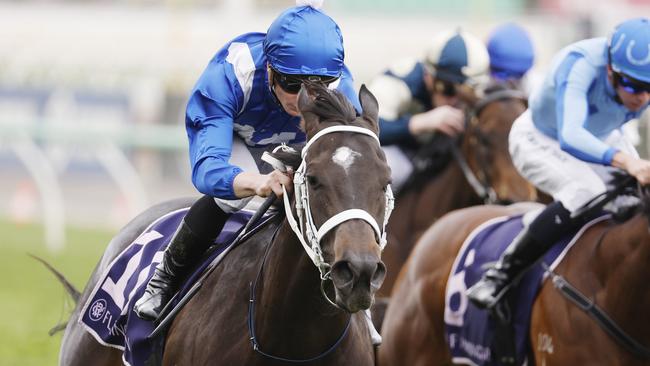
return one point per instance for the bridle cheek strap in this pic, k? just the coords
(313, 254)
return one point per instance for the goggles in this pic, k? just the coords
(631, 85)
(446, 88)
(292, 83)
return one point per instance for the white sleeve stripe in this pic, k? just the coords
(239, 55)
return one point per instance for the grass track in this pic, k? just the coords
(31, 299)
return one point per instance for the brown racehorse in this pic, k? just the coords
(609, 264)
(485, 148)
(293, 319)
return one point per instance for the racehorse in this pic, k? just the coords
(343, 188)
(608, 264)
(484, 148)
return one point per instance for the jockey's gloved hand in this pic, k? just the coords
(273, 182)
(637, 167)
(444, 119)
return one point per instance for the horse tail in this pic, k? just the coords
(69, 288)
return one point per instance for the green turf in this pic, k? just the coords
(32, 300)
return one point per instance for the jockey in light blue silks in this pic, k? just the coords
(569, 139)
(511, 54)
(246, 101)
(418, 98)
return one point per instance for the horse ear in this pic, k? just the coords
(369, 104)
(305, 100)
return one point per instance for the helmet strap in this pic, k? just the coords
(270, 77)
(617, 98)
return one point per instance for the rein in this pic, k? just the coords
(590, 307)
(251, 318)
(483, 190)
(586, 304)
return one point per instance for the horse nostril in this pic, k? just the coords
(342, 273)
(379, 276)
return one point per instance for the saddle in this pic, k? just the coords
(108, 314)
(473, 333)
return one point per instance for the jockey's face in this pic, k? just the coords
(288, 101)
(632, 99)
(442, 92)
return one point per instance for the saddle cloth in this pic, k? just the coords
(470, 331)
(108, 314)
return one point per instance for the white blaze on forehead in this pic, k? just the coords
(344, 156)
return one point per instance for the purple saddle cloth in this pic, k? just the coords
(470, 331)
(108, 314)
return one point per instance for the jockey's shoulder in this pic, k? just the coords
(403, 67)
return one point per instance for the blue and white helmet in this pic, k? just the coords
(511, 52)
(629, 49)
(305, 41)
(458, 57)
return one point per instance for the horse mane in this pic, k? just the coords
(329, 105)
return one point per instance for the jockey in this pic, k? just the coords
(246, 100)
(511, 54)
(569, 141)
(417, 98)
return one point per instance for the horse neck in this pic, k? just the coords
(291, 313)
(624, 270)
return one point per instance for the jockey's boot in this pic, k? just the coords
(522, 252)
(530, 245)
(183, 252)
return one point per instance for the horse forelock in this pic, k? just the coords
(330, 105)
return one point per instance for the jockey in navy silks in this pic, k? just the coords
(417, 98)
(569, 141)
(246, 99)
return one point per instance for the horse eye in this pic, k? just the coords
(313, 181)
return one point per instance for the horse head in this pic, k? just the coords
(343, 188)
(486, 146)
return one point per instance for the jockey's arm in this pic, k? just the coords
(577, 140)
(573, 79)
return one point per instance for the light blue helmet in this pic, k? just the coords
(511, 52)
(305, 41)
(629, 49)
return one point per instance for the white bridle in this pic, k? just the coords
(305, 227)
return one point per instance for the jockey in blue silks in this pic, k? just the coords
(511, 54)
(417, 98)
(569, 141)
(245, 101)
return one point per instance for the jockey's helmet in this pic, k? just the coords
(303, 42)
(629, 50)
(511, 52)
(458, 57)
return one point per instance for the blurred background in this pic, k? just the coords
(92, 97)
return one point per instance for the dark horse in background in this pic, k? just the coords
(484, 147)
(609, 264)
(293, 319)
